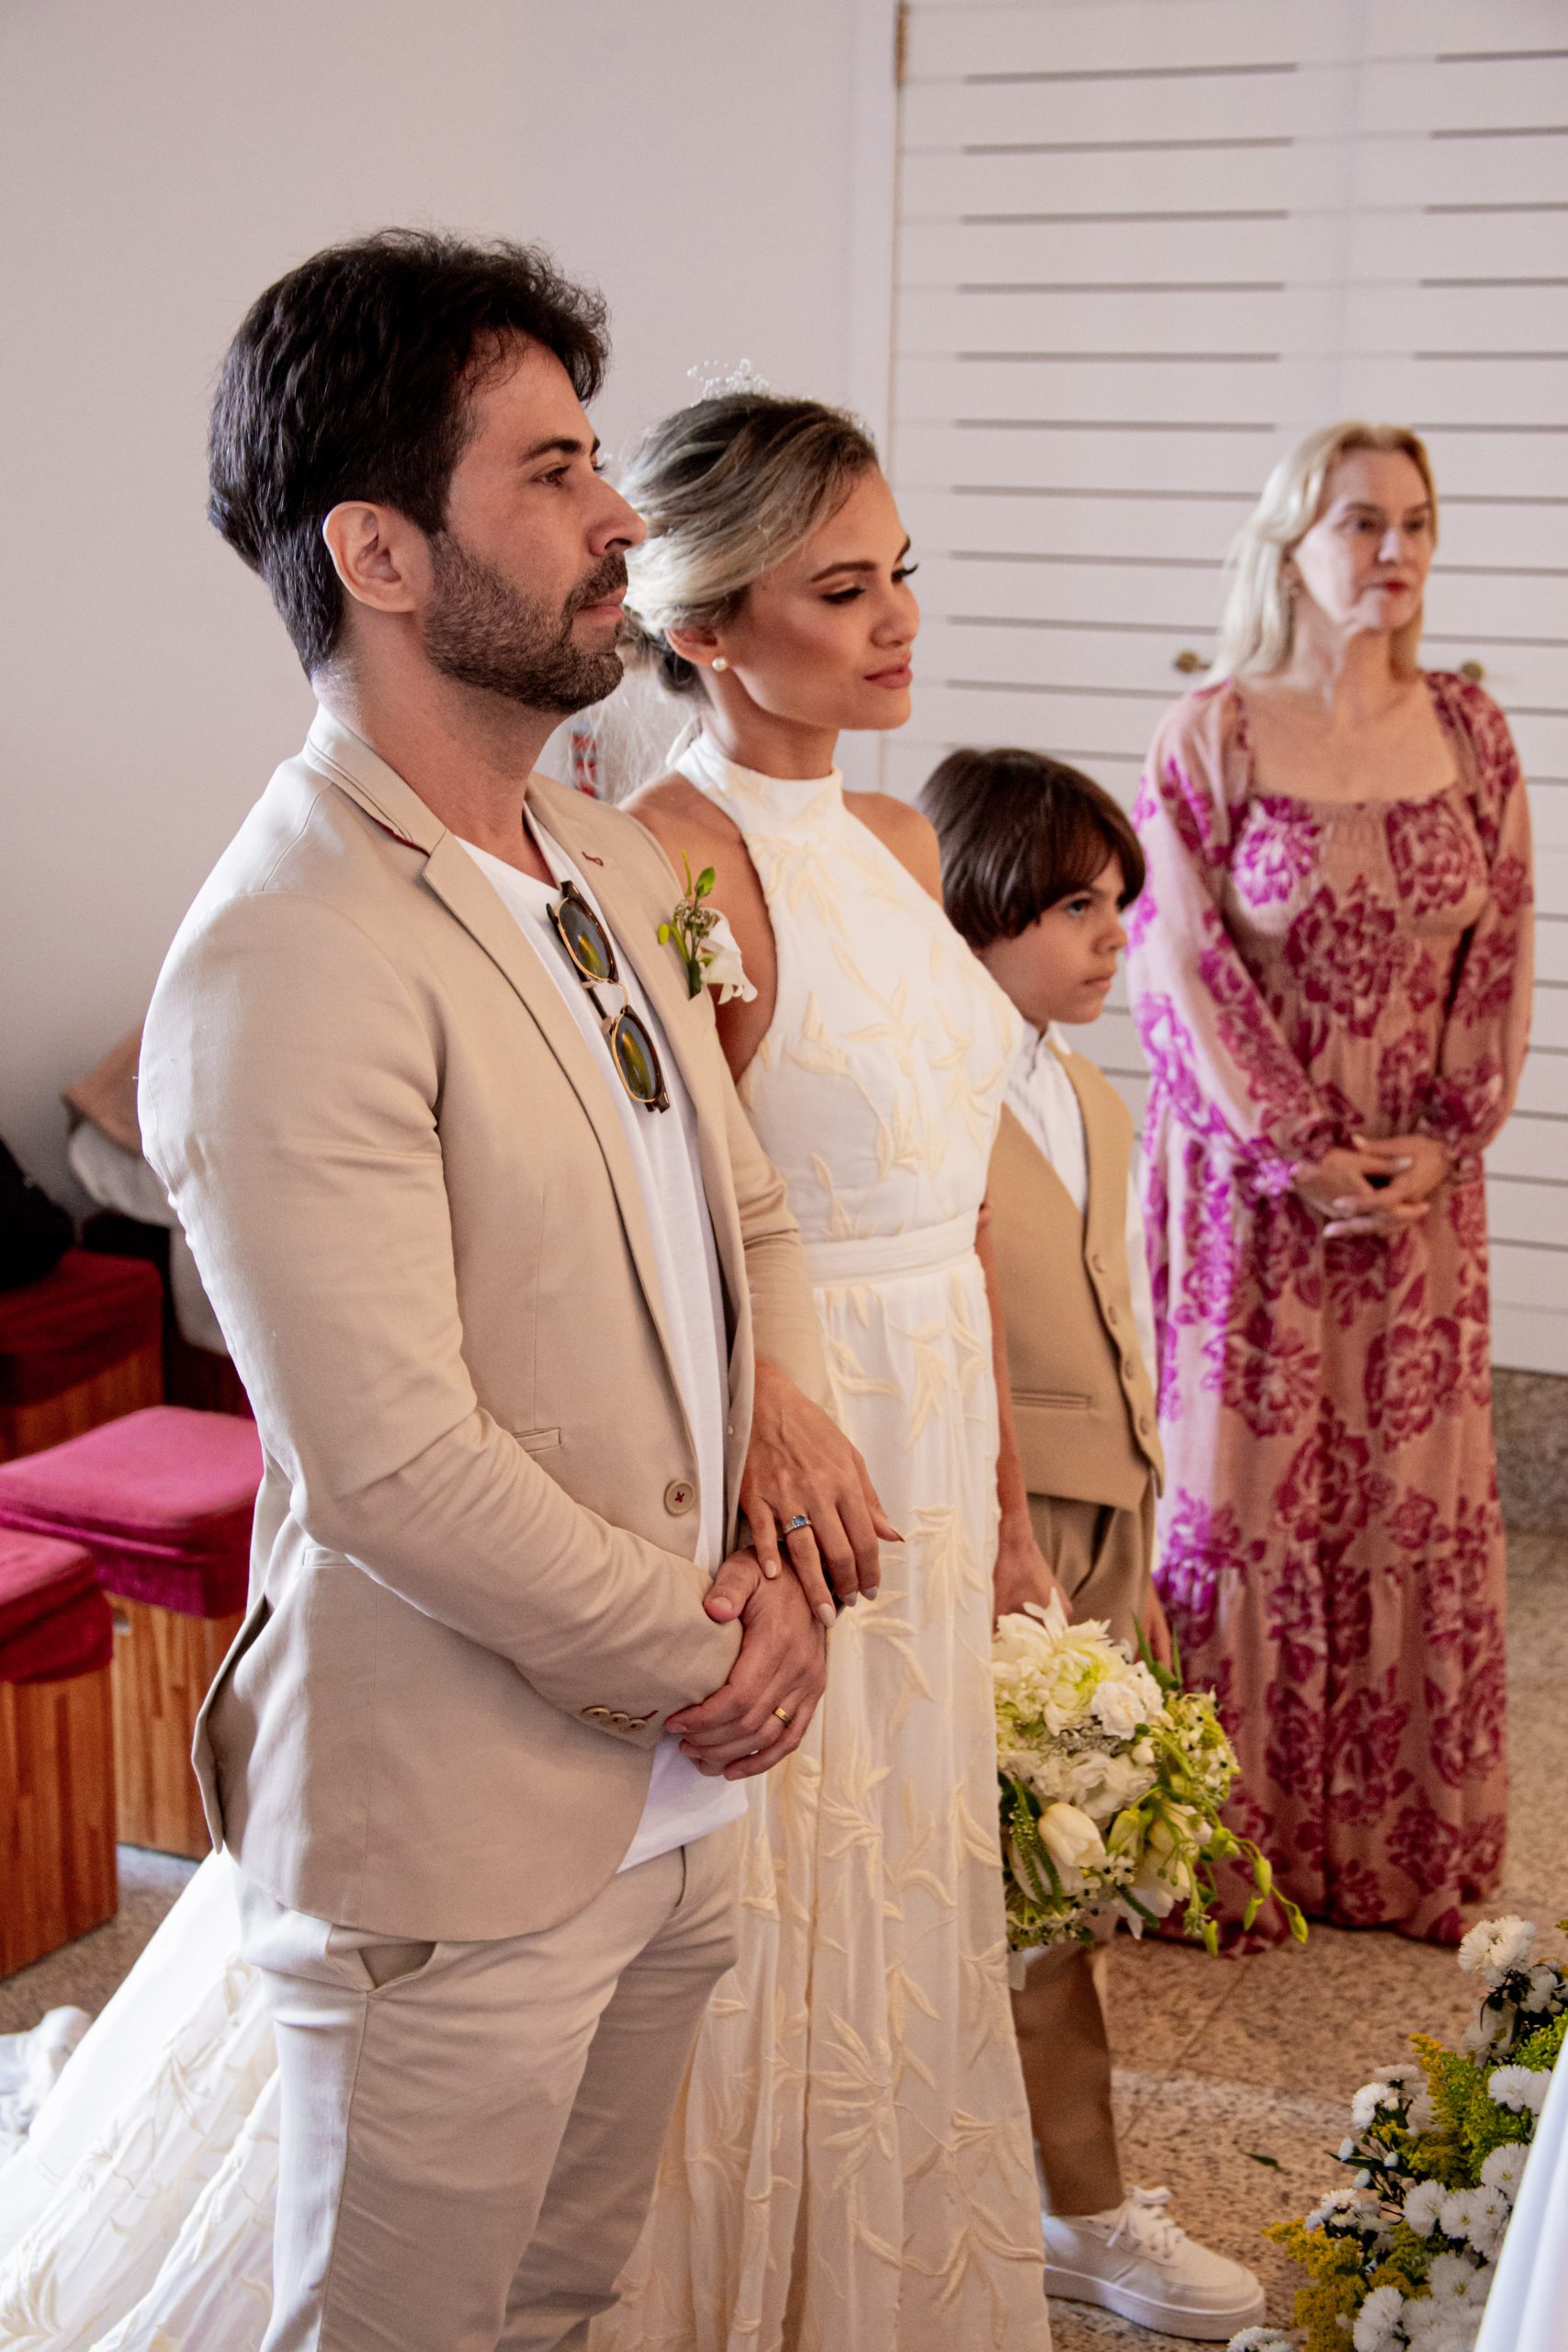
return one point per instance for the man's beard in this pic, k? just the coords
(484, 632)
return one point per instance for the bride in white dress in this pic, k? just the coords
(851, 2164)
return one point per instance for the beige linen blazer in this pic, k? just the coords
(1082, 1400)
(473, 1597)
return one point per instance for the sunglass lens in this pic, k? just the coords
(638, 1061)
(585, 938)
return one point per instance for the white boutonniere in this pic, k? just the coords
(705, 942)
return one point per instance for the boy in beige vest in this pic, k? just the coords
(1038, 864)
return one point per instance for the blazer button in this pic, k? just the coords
(679, 1496)
(1110, 1318)
(1129, 1367)
(597, 1715)
(622, 1722)
(1143, 1425)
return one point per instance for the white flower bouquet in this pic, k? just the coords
(1112, 1779)
(1405, 2257)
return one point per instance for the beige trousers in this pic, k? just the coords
(1102, 1558)
(471, 2131)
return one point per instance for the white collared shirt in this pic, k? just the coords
(1040, 1095)
(683, 1803)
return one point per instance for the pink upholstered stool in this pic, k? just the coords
(77, 1347)
(57, 1816)
(162, 1500)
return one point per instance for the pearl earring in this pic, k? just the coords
(719, 662)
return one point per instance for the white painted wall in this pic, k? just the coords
(722, 168)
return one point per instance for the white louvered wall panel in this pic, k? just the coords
(1142, 248)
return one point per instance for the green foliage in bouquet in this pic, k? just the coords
(1112, 1781)
(1404, 2257)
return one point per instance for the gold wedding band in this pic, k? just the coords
(783, 1716)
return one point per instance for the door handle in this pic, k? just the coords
(1187, 662)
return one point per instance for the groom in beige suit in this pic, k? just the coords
(523, 1319)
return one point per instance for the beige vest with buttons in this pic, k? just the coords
(1081, 1396)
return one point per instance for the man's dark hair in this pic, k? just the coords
(351, 379)
(1019, 832)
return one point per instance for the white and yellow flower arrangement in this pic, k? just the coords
(1404, 2258)
(1113, 1782)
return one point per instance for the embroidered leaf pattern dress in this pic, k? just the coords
(850, 2162)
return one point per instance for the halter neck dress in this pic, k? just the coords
(850, 2162)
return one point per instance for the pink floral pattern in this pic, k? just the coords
(1331, 1548)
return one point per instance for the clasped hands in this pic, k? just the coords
(1375, 1186)
(799, 1465)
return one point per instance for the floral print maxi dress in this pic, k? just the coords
(1331, 1544)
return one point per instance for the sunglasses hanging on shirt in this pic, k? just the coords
(593, 958)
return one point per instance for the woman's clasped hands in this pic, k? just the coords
(1374, 1184)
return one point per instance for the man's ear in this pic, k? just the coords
(696, 645)
(382, 558)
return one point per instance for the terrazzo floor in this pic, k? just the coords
(1234, 2075)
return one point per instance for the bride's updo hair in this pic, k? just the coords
(728, 487)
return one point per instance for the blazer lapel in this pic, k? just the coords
(462, 888)
(691, 1043)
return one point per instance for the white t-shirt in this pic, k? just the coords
(683, 1803)
(1039, 1094)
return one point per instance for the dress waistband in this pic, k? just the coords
(876, 1256)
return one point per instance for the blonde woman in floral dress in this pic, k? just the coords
(850, 2165)
(1331, 972)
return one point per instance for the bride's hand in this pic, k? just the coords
(800, 1463)
(1022, 1572)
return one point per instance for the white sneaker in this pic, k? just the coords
(1136, 2262)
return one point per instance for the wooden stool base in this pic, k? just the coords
(125, 1387)
(57, 1815)
(164, 1666)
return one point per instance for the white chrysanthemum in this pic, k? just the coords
(1336, 2207)
(1545, 1988)
(1495, 1945)
(1521, 2088)
(1378, 2322)
(1369, 2102)
(1423, 2205)
(1505, 2168)
(1260, 2339)
(1478, 2215)
(1483, 2036)
(1411, 2084)
(1432, 2326)
(1458, 2278)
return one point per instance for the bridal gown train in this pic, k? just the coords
(851, 2164)
(138, 2215)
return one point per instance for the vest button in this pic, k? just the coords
(1097, 1262)
(1143, 1425)
(679, 1497)
(1110, 1318)
(1129, 1367)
